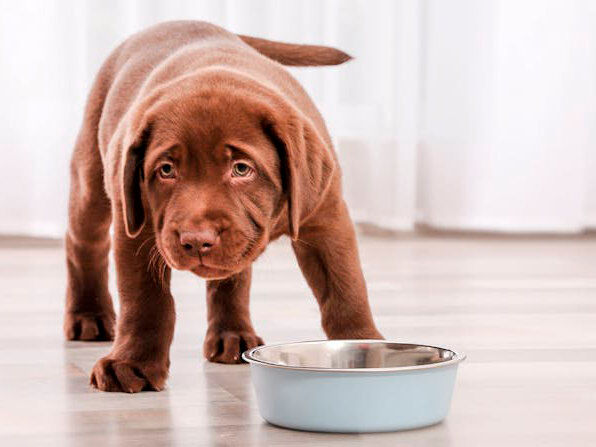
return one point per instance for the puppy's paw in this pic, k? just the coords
(357, 333)
(227, 346)
(89, 326)
(111, 374)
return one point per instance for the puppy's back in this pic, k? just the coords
(166, 50)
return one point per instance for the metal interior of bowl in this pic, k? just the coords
(352, 355)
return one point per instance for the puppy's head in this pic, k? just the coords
(217, 166)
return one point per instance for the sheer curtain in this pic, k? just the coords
(461, 114)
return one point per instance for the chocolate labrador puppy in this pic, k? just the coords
(200, 148)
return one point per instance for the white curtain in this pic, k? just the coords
(461, 114)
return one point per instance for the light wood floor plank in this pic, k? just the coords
(523, 309)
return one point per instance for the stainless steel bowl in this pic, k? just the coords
(353, 385)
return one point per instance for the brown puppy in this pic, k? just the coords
(200, 148)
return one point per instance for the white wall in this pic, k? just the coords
(460, 114)
(509, 107)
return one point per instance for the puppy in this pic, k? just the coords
(199, 148)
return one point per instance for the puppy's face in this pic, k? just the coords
(212, 185)
(217, 165)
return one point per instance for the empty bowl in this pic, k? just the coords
(353, 386)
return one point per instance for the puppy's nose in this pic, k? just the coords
(200, 242)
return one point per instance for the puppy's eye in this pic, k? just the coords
(166, 170)
(241, 170)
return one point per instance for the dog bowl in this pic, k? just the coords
(353, 386)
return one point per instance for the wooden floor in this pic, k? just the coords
(524, 310)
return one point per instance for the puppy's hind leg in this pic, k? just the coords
(230, 330)
(89, 311)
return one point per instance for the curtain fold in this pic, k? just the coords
(462, 115)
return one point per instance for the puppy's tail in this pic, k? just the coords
(297, 55)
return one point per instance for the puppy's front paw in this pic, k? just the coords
(112, 374)
(89, 326)
(357, 333)
(227, 346)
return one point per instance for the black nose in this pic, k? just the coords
(200, 242)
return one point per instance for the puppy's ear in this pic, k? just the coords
(307, 165)
(131, 175)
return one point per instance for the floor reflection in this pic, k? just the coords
(114, 419)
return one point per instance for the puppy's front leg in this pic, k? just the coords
(328, 256)
(230, 330)
(139, 359)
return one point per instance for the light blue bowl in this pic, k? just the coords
(353, 386)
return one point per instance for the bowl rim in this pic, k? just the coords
(458, 357)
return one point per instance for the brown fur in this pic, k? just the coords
(200, 150)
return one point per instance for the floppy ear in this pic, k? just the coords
(307, 166)
(131, 175)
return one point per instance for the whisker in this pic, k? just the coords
(302, 241)
(252, 240)
(144, 242)
(153, 264)
(157, 266)
(163, 274)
